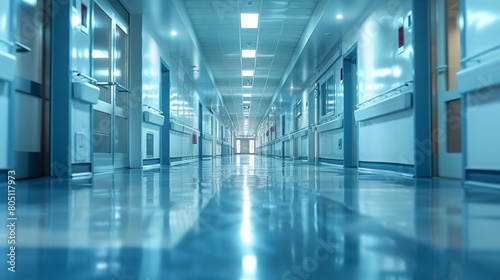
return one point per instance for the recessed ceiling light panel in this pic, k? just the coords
(247, 73)
(249, 20)
(248, 53)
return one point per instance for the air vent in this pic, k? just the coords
(248, 82)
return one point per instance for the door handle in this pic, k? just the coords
(119, 87)
(21, 48)
(8, 43)
(441, 69)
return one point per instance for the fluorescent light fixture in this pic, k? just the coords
(248, 53)
(99, 54)
(247, 95)
(340, 16)
(247, 86)
(246, 102)
(249, 20)
(31, 2)
(247, 73)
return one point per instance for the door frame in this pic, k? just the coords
(165, 107)
(200, 128)
(116, 22)
(448, 165)
(350, 83)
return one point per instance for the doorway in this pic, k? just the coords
(165, 108)
(32, 91)
(200, 128)
(447, 104)
(349, 80)
(110, 60)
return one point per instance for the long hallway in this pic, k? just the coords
(252, 217)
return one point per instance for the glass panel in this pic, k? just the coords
(252, 146)
(454, 126)
(102, 132)
(283, 130)
(121, 57)
(238, 146)
(101, 51)
(330, 95)
(121, 135)
(453, 30)
(323, 95)
(121, 67)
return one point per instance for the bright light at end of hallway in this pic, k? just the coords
(249, 264)
(173, 33)
(340, 16)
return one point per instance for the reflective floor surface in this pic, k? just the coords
(252, 218)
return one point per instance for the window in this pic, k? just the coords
(330, 96)
(322, 94)
(327, 95)
(283, 120)
(252, 146)
(453, 42)
(454, 126)
(297, 113)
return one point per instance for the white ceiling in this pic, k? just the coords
(290, 38)
(217, 27)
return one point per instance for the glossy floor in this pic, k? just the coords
(252, 218)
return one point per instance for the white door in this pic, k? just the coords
(448, 98)
(110, 67)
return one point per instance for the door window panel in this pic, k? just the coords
(102, 132)
(454, 126)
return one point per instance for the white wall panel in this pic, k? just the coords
(175, 142)
(207, 147)
(388, 139)
(28, 111)
(483, 131)
(278, 149)
(304, 146)
(81, 152)
(328, 144)
(288, 152)
(482, 18)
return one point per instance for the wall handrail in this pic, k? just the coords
(119, 86)
(299, 131)
(8, 43)
(184, 125)
(80, 74)
(398, 88)
(153, 108)
(478, 55)
(329, 122)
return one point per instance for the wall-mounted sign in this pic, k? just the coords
(401, 39)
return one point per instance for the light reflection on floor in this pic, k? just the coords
(251, 217)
